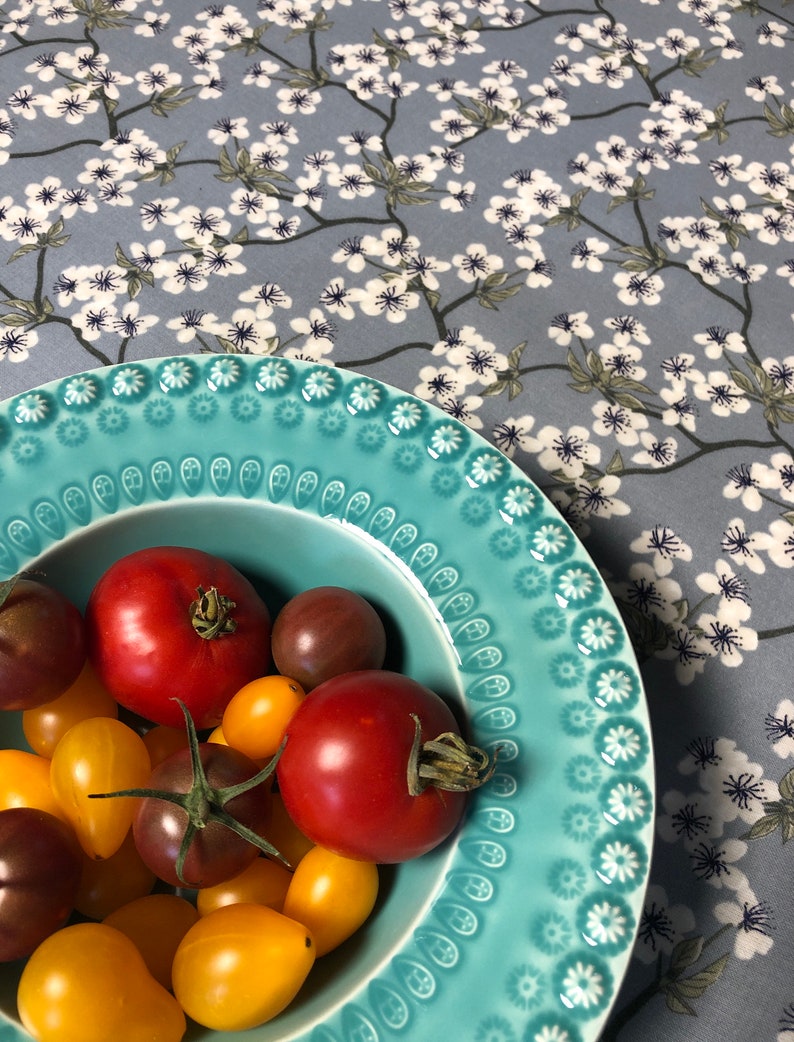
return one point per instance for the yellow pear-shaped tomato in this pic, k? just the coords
(332, 896)
(89, 983)
(240, 966)
(95, 756)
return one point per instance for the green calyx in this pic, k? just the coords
(447, 762)
(203, 803)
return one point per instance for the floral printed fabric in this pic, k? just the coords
(570, 226)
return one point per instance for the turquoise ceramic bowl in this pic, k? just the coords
(521, 926)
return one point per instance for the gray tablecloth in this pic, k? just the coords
(569, 225)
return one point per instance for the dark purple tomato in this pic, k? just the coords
(40, 867)
(42, 644)
(215, 851)
(325, 631)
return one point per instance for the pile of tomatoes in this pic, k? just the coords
(207, 796)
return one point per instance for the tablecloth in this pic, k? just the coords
(568, 224)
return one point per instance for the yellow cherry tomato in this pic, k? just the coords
(285, 835)
(88, 983)
(45, 725)
(240, 966)
(99, 755)
(331, 895)
(263, 882)
(107, 885)
(25, 782)
(155, 924)
(256, 717)
(161, 741)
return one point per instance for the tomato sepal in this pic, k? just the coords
(204, 803)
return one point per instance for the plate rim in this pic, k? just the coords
(589, 1029)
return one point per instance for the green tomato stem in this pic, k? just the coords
(202, 803)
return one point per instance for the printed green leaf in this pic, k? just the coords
(693, 987)
(676, 1004)
(786, 786)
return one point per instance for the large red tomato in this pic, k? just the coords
(362, 772)
(171, 622)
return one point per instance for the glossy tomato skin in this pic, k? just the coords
(216, 852)
(40, 867)
(42, 645)
(324, 631)
(343, 773)
(144, 648)
(89, 983)
(240, 966)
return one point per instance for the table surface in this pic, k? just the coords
(570, 225)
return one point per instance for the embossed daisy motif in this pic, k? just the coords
(405, 416)
(129, 382)
(549, 540)
(81, 392)
(598, 633)
(583, 986)
(177, 376)
(627, 802)
(605, 923)
(319, 386)
(34, 409)
(576, 583)
(446, 440)
(614, 687)
(519, 501)
(364, 397)
(619, 862)
(486, 468)
(525, 986)
(224, 374)
(273, 376)
(621, 743)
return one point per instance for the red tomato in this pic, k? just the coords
(171, 622)
(344, 772)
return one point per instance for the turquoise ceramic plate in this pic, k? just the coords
(520, 928)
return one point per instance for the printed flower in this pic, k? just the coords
(665, 546)
(780, 728)
(568, 452)
(661, 925)
(753, 921)
(733, 591)
(778, 542)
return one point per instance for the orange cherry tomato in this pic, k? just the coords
(263, 882)
(285, 835)
(257, 715)
(161, 741)
(217, 736)
(45, 725)
(155, 924)
(109, 884)
(332, 896)
(89, 983)
(99, 755)
(240, 966)
(25, 782)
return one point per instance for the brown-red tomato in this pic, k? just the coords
(42, 643)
